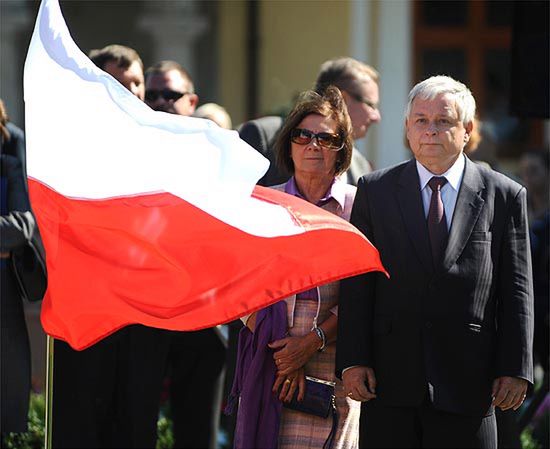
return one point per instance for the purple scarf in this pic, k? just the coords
(259, 410)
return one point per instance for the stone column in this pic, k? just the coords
(175, 27)
(15, 21)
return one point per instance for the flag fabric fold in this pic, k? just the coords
(153, 218)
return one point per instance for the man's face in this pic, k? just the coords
(362, 103)
(435, 132)
(169, 92)
(131, 78)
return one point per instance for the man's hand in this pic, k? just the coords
(509, 392)
(354, 383)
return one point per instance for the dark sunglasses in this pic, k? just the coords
(329, 141)
(167, 94)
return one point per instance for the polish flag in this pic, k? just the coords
(154, 218)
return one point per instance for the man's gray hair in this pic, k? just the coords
(440, 85)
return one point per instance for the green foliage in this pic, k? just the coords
(165, 439)
(165, 428)
(34, 437)
(527, 440)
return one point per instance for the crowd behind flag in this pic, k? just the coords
(154, 218)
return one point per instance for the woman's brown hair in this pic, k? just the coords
(328, 104)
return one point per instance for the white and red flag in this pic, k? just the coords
(155, 218)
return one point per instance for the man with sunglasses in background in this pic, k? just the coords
(191, 361)
(169, 88)
(358, 83)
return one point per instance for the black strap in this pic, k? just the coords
(331, 435)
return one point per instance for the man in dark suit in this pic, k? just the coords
(359, 85)
(434, 348)
(193, 361)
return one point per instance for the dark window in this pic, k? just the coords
(450, 62)
(444, 13)
(499, 13)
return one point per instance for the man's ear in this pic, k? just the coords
(469, 128)
(345, 96)
(193, 100)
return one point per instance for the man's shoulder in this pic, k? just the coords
(260, 132)
(268, 125)
(494, 179)
(384, 175)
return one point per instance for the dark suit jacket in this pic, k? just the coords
(450, 329)
(261, 134)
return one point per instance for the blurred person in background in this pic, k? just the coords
(170, 88)
(23, 277)
(216, 113)
(124, 64)
(534, 167)
(358, 83)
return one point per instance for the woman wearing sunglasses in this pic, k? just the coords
(315, 145)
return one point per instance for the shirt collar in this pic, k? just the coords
(453, 175)
(336, 191)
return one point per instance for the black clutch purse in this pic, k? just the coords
(318, 399)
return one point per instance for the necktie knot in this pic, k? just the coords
(436, 182)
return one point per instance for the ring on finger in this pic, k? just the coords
(288, 381)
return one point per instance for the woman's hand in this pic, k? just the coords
(293, 353)
(288, 385)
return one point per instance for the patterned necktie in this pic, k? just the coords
(437, 223)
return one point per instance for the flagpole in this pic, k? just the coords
(48, 419)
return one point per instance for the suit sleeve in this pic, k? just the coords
(355, 307)
(515, 296)
(20, 235)
(17, 227)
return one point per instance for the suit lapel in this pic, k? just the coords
(412, 211)
(467, 209)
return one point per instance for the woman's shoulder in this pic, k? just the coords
(349, 189)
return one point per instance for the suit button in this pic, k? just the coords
(428, 324)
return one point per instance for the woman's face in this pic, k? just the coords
(312, 158)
